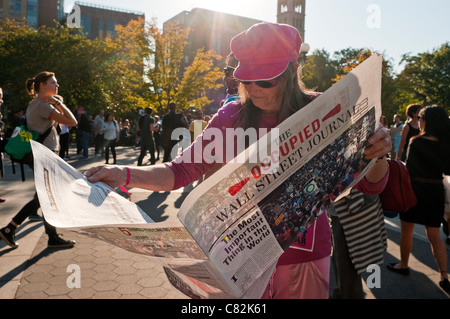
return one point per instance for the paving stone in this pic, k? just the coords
(105, 285)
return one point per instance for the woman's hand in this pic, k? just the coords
(54, 100)
(379, 144)
(159, 178)
(112, 175)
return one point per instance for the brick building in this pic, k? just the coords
(100, 21)
(36, 12)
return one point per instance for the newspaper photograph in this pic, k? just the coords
(234, 226)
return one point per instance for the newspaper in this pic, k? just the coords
(232, 226)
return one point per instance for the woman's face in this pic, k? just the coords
(50, 87)
(268, 100)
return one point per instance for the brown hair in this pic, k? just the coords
(33, 85)
(411, 109)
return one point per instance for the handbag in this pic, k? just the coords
(19, 145)
(398, 195)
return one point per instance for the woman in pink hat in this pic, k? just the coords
(270, 92)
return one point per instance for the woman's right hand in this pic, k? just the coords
(52, 100)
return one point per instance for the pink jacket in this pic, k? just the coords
(316, 244)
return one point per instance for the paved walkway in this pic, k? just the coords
(35, 272)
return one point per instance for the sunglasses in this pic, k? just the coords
(263, 84)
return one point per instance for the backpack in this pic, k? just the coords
(19, 145)
(398, 195)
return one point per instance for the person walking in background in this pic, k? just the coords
(83, 133)
(147, 127)
(428, 160)
(231, 83)
(197, 125)
(64, 140)
(111, 135)
(383, 121)
(157, 136)
(2, 200)
(271, 92)
(396, 134)
(99, 142)
(170, 122)
(43, 114)
(410, 129)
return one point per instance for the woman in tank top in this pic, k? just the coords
(409, 130)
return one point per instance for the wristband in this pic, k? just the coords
(128, 177)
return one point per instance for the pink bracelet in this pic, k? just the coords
(128, 177)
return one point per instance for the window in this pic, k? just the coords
(86, 25)
(60, 9)
(100, 29)
(15, 7)
(32, 12)
(111, 29)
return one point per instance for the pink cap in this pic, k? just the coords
(265, 50)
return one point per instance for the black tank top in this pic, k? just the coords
(411, 132)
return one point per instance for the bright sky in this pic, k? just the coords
(393, 27)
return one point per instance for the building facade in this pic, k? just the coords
(36, 12)
(99, 22)
(292, 12)
(209, 30)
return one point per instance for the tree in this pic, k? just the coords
(348, 59)
(78, 62)
(425, 78)
(164, 69)
(322, 71)
(125, 70)
(168, 82)
(319, 70)
(199, 77)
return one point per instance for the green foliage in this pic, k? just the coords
(140, 67)
(199, 77)
(77, 62)
(425, 78)
(165, 63)
(318, 71)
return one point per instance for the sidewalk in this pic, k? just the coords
(33, 271)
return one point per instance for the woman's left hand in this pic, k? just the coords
(379, 144)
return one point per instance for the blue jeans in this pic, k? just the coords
(84, 142)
